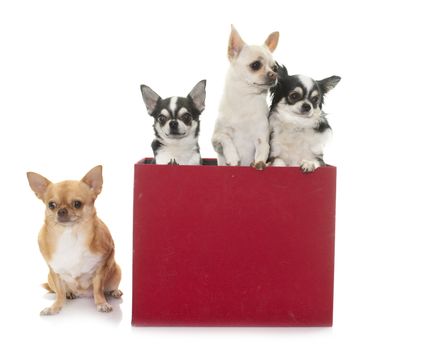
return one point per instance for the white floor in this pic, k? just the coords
(362, 321)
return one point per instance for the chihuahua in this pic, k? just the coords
(75, 243)
(176, 125)
(241, 135)
(299, 128)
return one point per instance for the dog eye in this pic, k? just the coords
(186, 118)
(52, 205)
(161, 119)
(294, 96)
(256, 65)
(77, 204)
(315, 99)
(274, 68)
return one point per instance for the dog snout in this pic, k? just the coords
(272, 75)
(173, 125)
(306, 107)
(62, 212)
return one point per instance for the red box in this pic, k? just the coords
(233, 246)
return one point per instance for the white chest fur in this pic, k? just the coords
(294, 142)
(243, 119)
(184, 151)
(73, 261)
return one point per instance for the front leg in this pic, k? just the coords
(98, 291)
(163, 157)
(223, 145)
(278, 162)
(60, 293)
(261, 153)
(195, 159)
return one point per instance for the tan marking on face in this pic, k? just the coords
(299, 90)
(165, 112)
(182, 111)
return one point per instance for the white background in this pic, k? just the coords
(70, 99)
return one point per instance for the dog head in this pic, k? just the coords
(175, 117)
(301, 96)
(68, 202)
(253, 64)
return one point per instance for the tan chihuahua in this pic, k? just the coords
(75, 243)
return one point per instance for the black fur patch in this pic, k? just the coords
(320, 160)
(156, 145)
(324, 125)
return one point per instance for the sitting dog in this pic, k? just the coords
(299, 128)
(75, 243)
(241, 135)
(176, 125)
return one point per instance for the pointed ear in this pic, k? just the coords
(198, 95)
(94, 179)
(328, 83)
(38, 184)
(282, 71)
(235, 44)
(272, 41)
(150, 98)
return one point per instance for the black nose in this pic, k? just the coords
(62, 212)
(173, 124)
(306, 107)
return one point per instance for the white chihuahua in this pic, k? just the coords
(241, 135)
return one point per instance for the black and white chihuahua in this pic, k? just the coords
(298, 126)
(176, 125)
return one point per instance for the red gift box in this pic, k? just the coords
(233, 246)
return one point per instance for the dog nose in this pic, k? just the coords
(62, 212)
(173, 124)
(272, 75)
(306, 107)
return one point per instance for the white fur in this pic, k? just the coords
(165, 112)
(182, 111)
(183, 150)
(307, 82)
(74, 262)
(184, 130)
(294, 142)
(173, 104)
(241, 134)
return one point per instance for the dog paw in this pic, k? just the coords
(48, 311)
(71, 296)
(104, 307)
(308, 166)
(259, 165)
(115, 293)
(172, 162)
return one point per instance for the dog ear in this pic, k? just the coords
(235, 44)
(94, 179)
(38, 184)
(282, 71)
(150, 97)
(328, 83)
(272, 41)
(198, 95)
